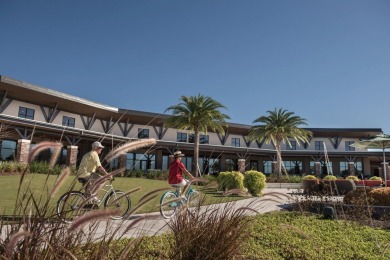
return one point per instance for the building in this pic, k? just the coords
(33, 114)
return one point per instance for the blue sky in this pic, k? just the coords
(326, 61)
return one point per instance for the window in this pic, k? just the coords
(7, 150)
(143, 133)
(236, 142)
(348, 147)
(293, 167)
(231, 165)
(344, 168)
(293, 145)
(68, 121)
(140, 161)
(253, 165)
(182, 137)
(203, 139)
(267, 167)
(324, 168)
(26, 113)
(319, 145)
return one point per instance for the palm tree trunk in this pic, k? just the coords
(195, 163)
(278, 161)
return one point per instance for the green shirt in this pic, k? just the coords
(88, 164)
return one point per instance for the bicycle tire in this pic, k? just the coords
(168, 204)
(118, 200)
(70, 206)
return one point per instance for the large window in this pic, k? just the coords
(293, 167)
(267, 165)
(253, 165)
(203, 139)
(348, 147)
(8, 150)
(140, 161)
(236, 142)
(143, 133)
(231, 165)
(68, 121)
(181, 137)
(344, 169)
(325, 168)
(319, 145)
(26, 113)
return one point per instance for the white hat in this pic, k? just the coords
(178, 154)
(97, 144)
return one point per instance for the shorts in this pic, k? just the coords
(181, 184)
(91, 178)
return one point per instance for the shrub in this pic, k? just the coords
(376, 178)
(157, 174)
(381, 196)
(230, 180)
(254, 181)
(310, 177)
(359, 196)
(351, 177)
(330, 178)
(273, 178)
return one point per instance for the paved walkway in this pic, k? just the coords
(153, 223)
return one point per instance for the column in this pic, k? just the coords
(71, 159)
(222, 163)
(23, 151)
(241, 165)
(274, 167)
(122, 162)
(317, 169)
(382, 172)
(159, 159)
(351, 168)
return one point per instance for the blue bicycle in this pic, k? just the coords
(172, 201)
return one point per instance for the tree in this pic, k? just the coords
(198, 114)
(279, 126)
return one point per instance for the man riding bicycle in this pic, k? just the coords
(86, 173)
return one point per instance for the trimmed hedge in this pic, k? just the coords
(230, 180)
(255, 182)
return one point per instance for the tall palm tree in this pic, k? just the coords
(197, 114)
(279, 126)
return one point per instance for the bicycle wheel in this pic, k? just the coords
(118, 200)
(168, 204)
(71, 205)
(194, 200)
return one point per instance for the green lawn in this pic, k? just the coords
(40, 185)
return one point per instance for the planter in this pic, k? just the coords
(311, 186)
(336, 187)
(370, 183)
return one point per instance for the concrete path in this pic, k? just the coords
(153, 223)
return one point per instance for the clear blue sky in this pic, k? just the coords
(327, 61)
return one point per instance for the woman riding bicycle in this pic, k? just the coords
(176, 170)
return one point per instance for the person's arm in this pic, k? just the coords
(189, 174)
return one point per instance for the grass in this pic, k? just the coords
(287, 235)
(41, 184)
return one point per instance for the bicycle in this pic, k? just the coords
(76, 203)
(170, 202)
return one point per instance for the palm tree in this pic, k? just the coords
(197, 114)
(279, 126)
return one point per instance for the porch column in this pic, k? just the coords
(351, 168)
(274, 167)
(317, 169)
(382, 172)
(159, 159)
(222, 163)
(241, 165)
(122, 162)
(23, 151)
(71, 159)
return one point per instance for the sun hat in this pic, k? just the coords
(97, 144)
(178, 154)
